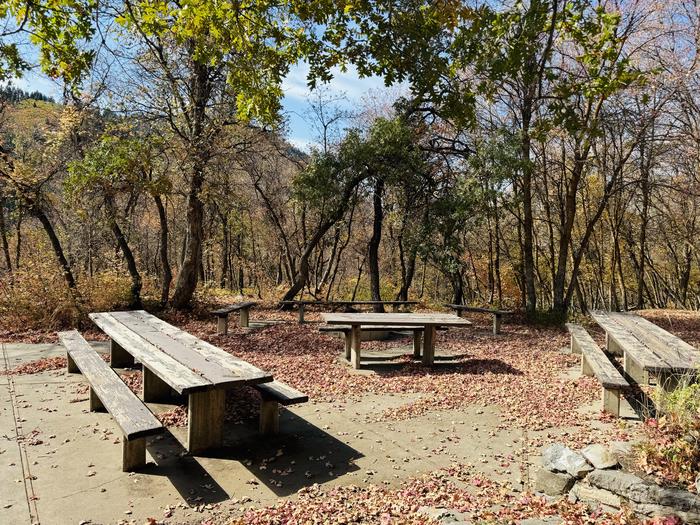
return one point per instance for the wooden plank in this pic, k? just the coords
(678, 354)
(234, 307)
(130, 414)
(282, 393)
(372, 328)
(246, 373)
(400, 319)
(632, 347)
(595, 358)
(178, 376)
(465, 308)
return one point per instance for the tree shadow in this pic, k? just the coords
(442, 365)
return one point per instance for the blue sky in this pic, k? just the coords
(296, 99)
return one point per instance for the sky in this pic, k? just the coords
(295, 103)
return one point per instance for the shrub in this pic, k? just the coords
(670, 450)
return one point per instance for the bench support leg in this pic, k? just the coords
(585, 367)
(355, 340)
(347, 337)
(269, 417)
(417, 339)
(636, 372)
(118, 357)
(154, 388)
(205, 420)
(612, 347)
(429, 344)
(95, 403)
(243, 318)
(611, 401)
(496, 324)
(222, 325)
(133, 454)
(72, 367)
(574, 347)
(301, 313)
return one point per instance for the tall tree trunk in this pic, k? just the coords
(57, 250)
(375, 241)
(129, 257)
(528, 222)
(164, 259)
(3, 238)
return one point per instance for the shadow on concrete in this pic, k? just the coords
(456, 364)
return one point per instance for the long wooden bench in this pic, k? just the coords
(594, 362)
(273, 395)
(346, 329)
(495, 312)
(109, 392)
(222, 314)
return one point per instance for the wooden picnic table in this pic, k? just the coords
(174, 359)
(429, 321)
(302, 303)
(647, 349)
(495, 312)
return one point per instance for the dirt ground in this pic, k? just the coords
(376, 427)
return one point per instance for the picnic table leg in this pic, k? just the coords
(205, 420)
(301, 313)
(243, 320)
(118, 357)
(496, 324)
(429, 344)
(154, 389)
(636, 372)
(417, 338)
(611, 401)
(269, 417)
(347, 336)
(133, 453)
(222, 324)
(355, 340)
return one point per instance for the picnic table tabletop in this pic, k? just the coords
(405, 319)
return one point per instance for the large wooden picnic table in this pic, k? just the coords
(647, 349)
(302, 303)
(429, 321)
(174, 359)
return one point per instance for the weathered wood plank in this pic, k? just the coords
(679, 355)
(477, 309)
(233, 308)
(400, 319)
(594, 359)
(131, 415)
(178, 376)
(245, 372)
(633, 348)
(282, 393)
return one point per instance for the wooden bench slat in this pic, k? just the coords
(478, 309)
(233, 308)
(248, 373)
(604, 370)
(133, 417)
(178, 376)
(282, 393)
(370, 328)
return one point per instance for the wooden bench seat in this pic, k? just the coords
(594, 362)
(109, 392)
(274, 394)
(495, 312)
(222, 314)
(346, 329)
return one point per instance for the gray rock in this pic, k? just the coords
(697, 483)
(595, 497)
(599, 456)
(560, 458)
(553, 483)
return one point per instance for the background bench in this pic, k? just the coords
(109, 392)
(222, 316)
(594, 362)
(496, 313)
(273, 395)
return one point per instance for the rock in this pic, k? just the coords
(697, 483)
(595, 497)
(560, 458)
(599, 456)
(553, 483)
